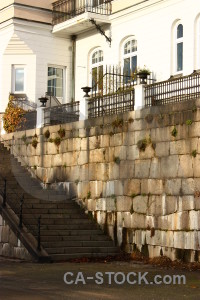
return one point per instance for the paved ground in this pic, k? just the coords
(29, 281)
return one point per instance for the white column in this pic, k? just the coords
(84, 108)
(139, 96)
(40, 117)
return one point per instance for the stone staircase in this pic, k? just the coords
(66, 232)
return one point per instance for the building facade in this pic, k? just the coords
(62, 46)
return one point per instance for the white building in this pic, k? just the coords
(39, 53)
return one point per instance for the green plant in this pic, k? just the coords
(47, 134)
(111, 133)
(134, 195)
(35, 136)
(188, 122)
(117, 123)
(113, 196)
(130, 120)
(116, 160)
(142, 144)
(57, 141)
(194, 109)
(131, 209)
(35, 167)
(149, 118)
(65, 166)
(61, 132)
(24, 138)
(89, 195)
(194, 153)
(34, 143)
(143, 70)
(174, 132)
(50, 140)
(76, 181)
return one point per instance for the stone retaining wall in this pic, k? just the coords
(138, 174)
(10, 245)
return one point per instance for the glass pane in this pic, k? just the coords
(55, 81)
(133, 45)
(179, 56)
(100, 85)
(127, 48)
(179, 31)
(94, 78)
(133, 63)
(19, 80)
(127, 69)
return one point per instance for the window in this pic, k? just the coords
(55, 82)
(129, 58)
(97, 70)
(179, 48)
(18, 79)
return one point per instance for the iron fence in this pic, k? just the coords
(65, 113)
(64, 10)
(119, 102)
(173, 90)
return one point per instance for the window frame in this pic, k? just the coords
(14, 68)
(99, 65)
(176, 42)
(63, 68)
(129, 55)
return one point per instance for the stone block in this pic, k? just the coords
(186, 203)
(94, 142)
(132, 152)
(140, 204)
(96, 188)
(104, 141)
(102, 171)
(120, 152)
(84, 173)
(155, 206)
(140, 237)
(57, 160)
(185, 166)
(7, 250)
(148, 153)
(172, 186)
(169, 166)
(110, 204)
(127, 217)
(191, 240)
(142, 168)
(194, 129)
(142, 134)
(131, 187)
(154, 251)
(113, 171)
(97, 156)
(161, 134)
(197, 203)
(116, 139)
(152, 186)
(188, 186)
(180, 147)
(180, 221)
(83, 157)
(128, 138)
(90, 204)
(179, 239)
(155, 168)
(150, 222)
(138, 221)
(101, 204)
(196, 166)
(84, 144)
(124, 203)
(194, 220)
(13, 240)
(126, 169)
(5, 234)
(83, 189)
(92, 171)
(169, 204)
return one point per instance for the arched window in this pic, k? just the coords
(129, 58)
(97, 70)
(179, 48)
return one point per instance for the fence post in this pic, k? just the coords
(84, 104)
(139, 96)
(40, 117)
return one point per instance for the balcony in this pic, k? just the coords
(73, 16)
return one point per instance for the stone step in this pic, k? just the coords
(66, 257)
(70, 227)
(55, 216)
(75, 238)
(71, 232)
(82, 250)
(47, 211)
(83, 244)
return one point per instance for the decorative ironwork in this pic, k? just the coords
(65, 113)
(173, 90)
(64, 10)
(119, 102)
(98, 27)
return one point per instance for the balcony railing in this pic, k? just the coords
(173, 90)
(65, 113)
(64, 10)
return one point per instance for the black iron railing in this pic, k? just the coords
(110, 104)
(28, 121)
(64, 10)
(65, 113)
(173, 90)
(17, 203)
